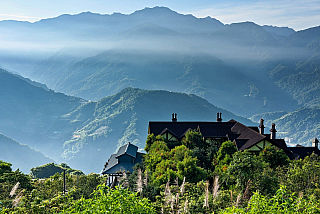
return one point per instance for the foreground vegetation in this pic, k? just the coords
(189, 177)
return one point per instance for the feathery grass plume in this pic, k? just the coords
(216, 187)
(185, 209)
(167, 191)
(238, 200)
(17, 199)
(14, 189)
(124, 179)
(206, 200)
(172, 208)
(176, 181)
(246, 194)
(139, 181)
(167, 194)
(145, 180)
(182, 186)
(177, 200)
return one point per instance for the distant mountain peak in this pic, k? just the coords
(155, 11)
(282, 31)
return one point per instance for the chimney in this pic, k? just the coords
(174, 117)
(261, 127)
(219, 119)
(315, 142)
(273, 131)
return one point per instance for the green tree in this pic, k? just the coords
(151, 139)
(224, 156)
(274, 156)
(302, 175)
(246, 168)
(5, 167)
(193, 139)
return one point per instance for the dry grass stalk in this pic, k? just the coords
(139, 181)
(238, 200)
(182, 186)
(167, 194)
(167, 191)
(176, 182)
(206, 200)
(177, 201)
(124, 179)
(17, 199)
(172, 208)
(185, 209)
(14, 189)
(145, 180)
(168, 198)
(246, 194)
(216, 187)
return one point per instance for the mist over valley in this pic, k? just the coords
(76, 87)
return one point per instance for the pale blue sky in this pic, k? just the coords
(298, 14)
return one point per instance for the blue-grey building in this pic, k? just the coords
(123, 161)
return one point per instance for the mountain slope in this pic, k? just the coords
(123, 117)
(21, 156)
(299, 127)
(152, 57)
(84, 134)
(31, 115)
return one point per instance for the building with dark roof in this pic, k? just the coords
(123, 161)
(300, 152)
(252, 139)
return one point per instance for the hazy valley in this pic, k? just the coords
(106, 76)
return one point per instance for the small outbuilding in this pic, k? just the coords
(122, 161)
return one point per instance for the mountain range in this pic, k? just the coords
(92, 82)
(85, 133)
(225, 64)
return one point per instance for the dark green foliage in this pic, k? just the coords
(8, 179)
(274, 156)
(193, 139)
(204, 151)
(151, 139)
(5, 167)
(47, 170)
(245, 167)
(224, 156)
(165, 164)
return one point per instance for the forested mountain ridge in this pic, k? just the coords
(21, 156)
(84, 134)
(124, 117)
(298, 127)
(31, 114)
